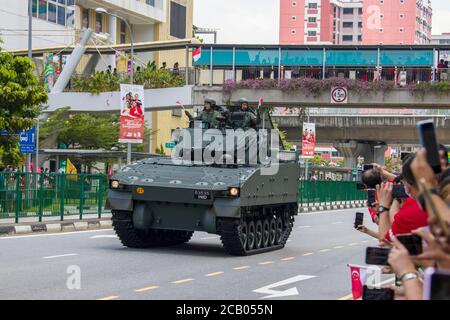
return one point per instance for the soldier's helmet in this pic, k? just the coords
(242, 101)
(211, 101)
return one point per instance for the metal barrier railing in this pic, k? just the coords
(60, 195)
(329, 192)
(51, 195)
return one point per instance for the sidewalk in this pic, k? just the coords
(311, 207)
(54, 224)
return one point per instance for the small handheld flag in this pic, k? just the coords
(260, 102)
(178, 102)
(197, 54)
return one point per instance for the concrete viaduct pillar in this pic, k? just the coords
(370, 151)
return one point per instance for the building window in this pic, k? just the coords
(294, 3)
(54, 11)
(348, 10)
(402, 29)
(294, 18)
(123, 32)
(402, 15)
(85, 17)
(347, 38)
(360, 11)
(381, 16)
(381, 30)
(360, 38)
(312, 33)
(312, 19)
(177, 20)
(98, 22)
(293, 31)
(150, 2)
(347, 24)
(312, 5)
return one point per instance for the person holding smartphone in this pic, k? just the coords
(410, 216)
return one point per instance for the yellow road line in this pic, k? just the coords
(241, 268)
(308, 254)
(324, 250)
(146, 289)
(288, 259)
(347, 297)
(109, 298)
(213, 274)
(265, 262)
(183, 281)
(338, 247)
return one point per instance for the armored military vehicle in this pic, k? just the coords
(162, 201)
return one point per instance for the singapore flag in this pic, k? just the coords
(362, 276)
(197, 54)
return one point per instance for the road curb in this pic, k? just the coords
(327, 207)
(10, 230)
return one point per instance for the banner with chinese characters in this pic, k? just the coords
(308, 140)
(132, 120)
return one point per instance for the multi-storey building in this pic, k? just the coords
(397, 22)
(355, 21)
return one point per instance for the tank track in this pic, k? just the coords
(242, 237)
(133, 238)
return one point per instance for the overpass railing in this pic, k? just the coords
(359, 112)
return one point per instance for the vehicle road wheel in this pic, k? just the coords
(273, 232)
(279, 232)
(259, 234)
(244, 234)
(251, 239)
(266, 233)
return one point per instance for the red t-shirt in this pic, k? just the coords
(409, 218)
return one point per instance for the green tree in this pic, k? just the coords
(21, 100)
(287, 145)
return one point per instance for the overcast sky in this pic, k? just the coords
(257, 21)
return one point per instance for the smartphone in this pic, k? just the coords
(404, 155)
(360, 186)
(377, 256)
(359, 219)
(371, 196)
(367, 167)
(428, 140)
(411, 242)
(378, 294)
(398, 192)
(436, 284)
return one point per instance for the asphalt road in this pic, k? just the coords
(320, 247)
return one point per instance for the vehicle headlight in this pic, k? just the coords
(115, 184)
(233, 192)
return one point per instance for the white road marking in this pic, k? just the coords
(210, 238)
(271, 293)
(303, 227)
(338, 222)
(61, 256)
(54, 234)
(104, 236)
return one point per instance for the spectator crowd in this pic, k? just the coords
(423, 210)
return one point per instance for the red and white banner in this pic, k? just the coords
(308, 140)
(197, 54)
(132, 120)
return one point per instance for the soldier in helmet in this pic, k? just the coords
(250, 118)
(209, 114)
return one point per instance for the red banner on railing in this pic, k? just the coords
(308, 140)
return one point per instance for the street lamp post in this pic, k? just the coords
(103, 10)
